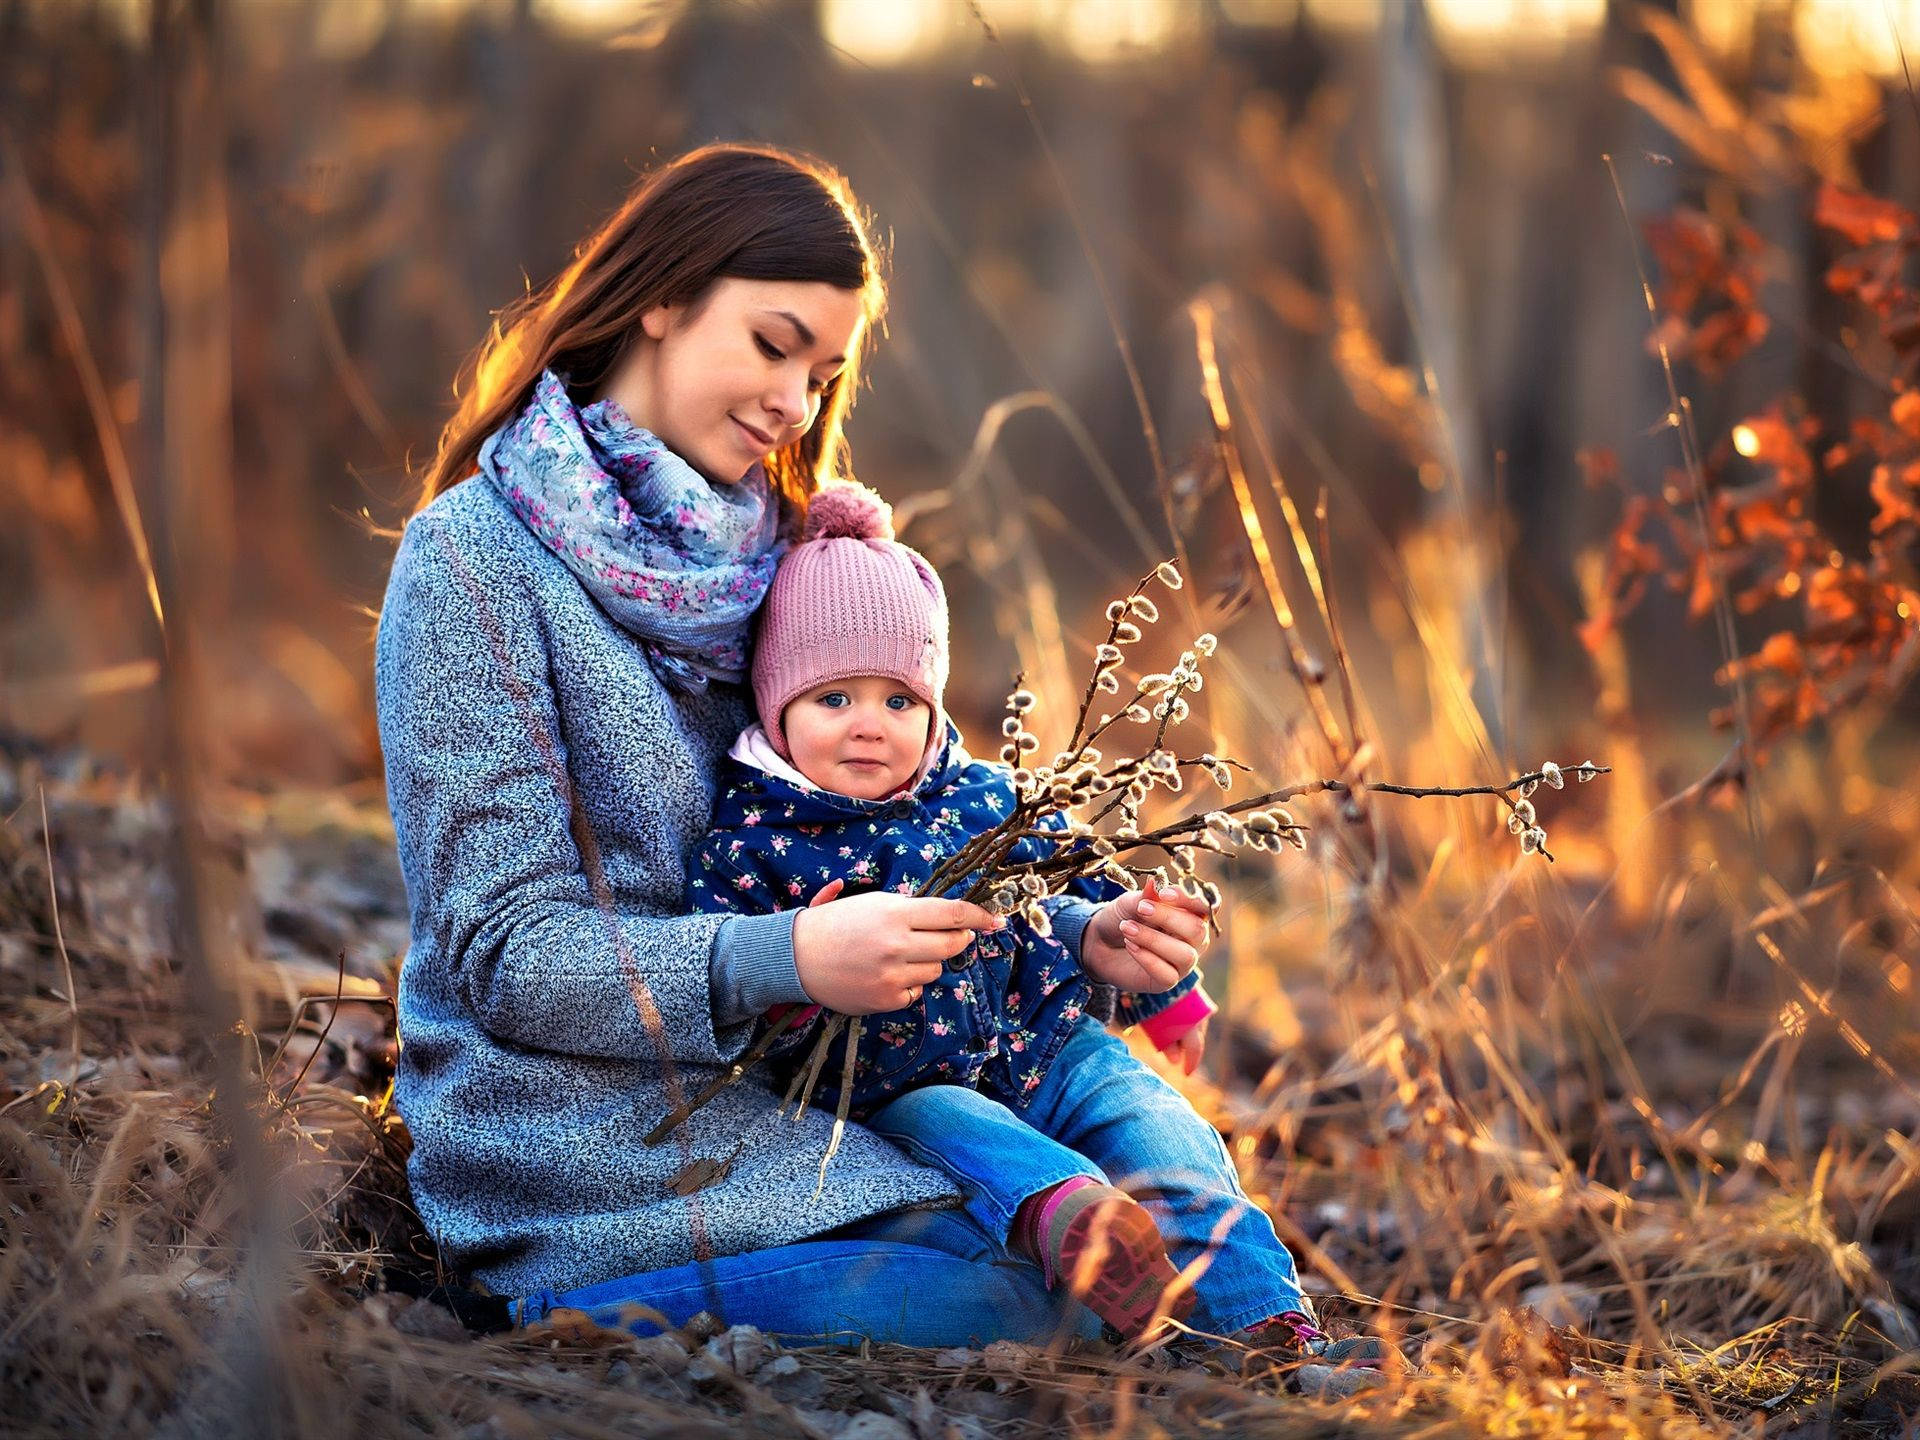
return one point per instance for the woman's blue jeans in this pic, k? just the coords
(915, 1277)
(945, 1277)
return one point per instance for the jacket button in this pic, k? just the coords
(903, 810)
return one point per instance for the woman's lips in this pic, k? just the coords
(758, 438)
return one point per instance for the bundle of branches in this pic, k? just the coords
(1084, 810)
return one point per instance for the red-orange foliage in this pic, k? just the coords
(1852, 634)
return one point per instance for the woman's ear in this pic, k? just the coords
(655, 323)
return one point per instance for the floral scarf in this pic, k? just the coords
(681, 563)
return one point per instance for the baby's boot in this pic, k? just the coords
(1104, 1245)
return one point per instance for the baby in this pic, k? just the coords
(998, 1073)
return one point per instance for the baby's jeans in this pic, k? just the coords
(1100, 1111)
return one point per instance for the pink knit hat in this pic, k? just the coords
(851, 600)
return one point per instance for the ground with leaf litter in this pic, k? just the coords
(1558, 1252)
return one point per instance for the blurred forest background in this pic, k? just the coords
(357, 183)
(1557, 355)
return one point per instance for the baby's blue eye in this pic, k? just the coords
(834, 699)
(901, 702)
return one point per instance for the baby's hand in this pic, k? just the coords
(1146, 940)
(1189, 1050)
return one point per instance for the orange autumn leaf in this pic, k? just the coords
(1862, 219)
(1906, 412)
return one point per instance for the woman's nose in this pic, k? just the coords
(788, 399)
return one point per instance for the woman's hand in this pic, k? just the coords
(1146, 940)
(876, 952)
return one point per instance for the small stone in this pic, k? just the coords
(872, 1425)
(428, 1321)
(1008, 1355)
(664, 1352)
(1324, 1382)
(1565, 1306)
(701, 1327)
(621, 1373)
(791, 1383)
(741, 1349)
(958, 1358)
(989, 1405)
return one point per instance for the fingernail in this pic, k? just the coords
(1127, 927)
(1146, 907)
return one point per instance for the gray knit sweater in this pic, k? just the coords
(545, 787)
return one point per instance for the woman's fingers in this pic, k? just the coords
(827, 892)
(929, 914)
(920, 947)
(920, 976)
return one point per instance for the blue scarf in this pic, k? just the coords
(677, 561)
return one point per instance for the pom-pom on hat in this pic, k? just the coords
(851, 600)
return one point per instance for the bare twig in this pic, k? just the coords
(60, 939)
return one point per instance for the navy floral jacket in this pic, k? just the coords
(994, 1025)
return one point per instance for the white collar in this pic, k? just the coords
(755, 749)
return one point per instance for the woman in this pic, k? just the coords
(558, 670)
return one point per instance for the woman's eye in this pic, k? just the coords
(768, 349)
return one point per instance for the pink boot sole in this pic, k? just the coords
(1105, 1246)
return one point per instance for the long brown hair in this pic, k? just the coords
(751, 212)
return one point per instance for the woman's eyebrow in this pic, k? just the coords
(806, 335)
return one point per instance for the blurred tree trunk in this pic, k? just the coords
(194, 384)
(186, 423)
(507, 183)
(1415, 186)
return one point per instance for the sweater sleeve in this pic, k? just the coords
(753, 967)
(494, 848)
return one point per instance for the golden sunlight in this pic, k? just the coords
(1099, 31)
(629, 23)
(1344, 16)
(1840, 37)
(887, 32)
(1478, 32)
(1252, 14)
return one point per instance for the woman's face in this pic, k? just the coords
(739, 373)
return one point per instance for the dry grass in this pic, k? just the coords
(1689, 1166)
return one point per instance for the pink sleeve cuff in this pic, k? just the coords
(1177, 1019)
(775, 1012)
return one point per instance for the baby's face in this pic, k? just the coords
(861, 737)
